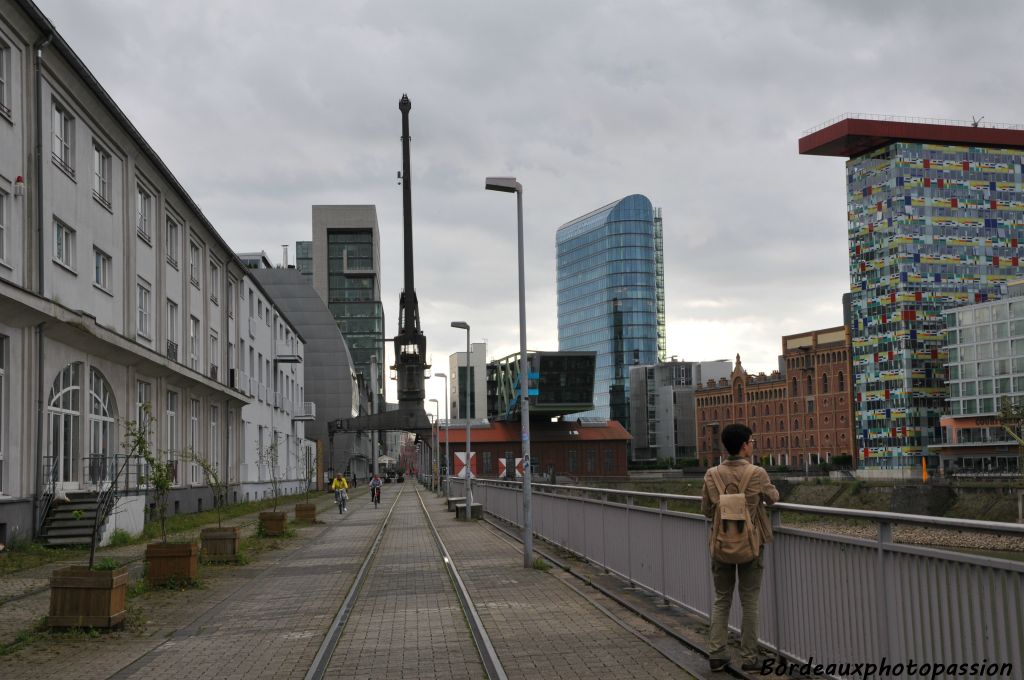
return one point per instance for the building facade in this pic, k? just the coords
(985, 365)
(801, 414)
(344, 261)
(934, 220)
(611, 295)
(476, 400)
(663, 409)
(118, 301)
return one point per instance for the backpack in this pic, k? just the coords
(734, 538)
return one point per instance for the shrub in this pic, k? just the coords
(121, 537)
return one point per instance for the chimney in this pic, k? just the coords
(285, 263)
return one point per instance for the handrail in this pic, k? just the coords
(876, 515)
(913, 119)
(47, 498)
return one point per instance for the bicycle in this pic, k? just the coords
(341, 498)
(375, 492)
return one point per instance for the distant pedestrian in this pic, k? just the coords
(355, 480)
(734, 497)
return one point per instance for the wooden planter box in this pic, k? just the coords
(82, 597)
(220, 544)
(305, 512)
(273, 523)
(171, 561)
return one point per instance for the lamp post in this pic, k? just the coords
(510, 185)
(436, 431)
(447, 460)
(469, 476)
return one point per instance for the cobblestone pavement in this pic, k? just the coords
(267, 619)
(540, 628)
(407, 622)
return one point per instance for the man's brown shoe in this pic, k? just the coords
(718, 664)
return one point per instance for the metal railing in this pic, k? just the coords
(49, 491)
(833, 597)
(914, 119)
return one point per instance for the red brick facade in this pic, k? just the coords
(804, 415)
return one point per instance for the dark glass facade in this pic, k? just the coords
(609, 289)
(304, 258)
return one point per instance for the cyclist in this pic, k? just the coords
(375, 485)
(340, 488)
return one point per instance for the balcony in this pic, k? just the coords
(306, 411)
(287, 355)
(172, 350)
(213, 371)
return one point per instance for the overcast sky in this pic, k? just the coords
(262, 109)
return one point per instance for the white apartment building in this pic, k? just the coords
(476, 382)
(115, 292)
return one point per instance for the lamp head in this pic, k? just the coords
(440, 375)
(506, 184)
(460, 324)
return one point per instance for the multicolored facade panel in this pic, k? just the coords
(931, 226)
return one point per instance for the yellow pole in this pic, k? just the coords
(924, 470)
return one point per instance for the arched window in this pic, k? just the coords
(796, 442)
(810, 384)
(796, 424)
(753, 411)
(840, 383)
(794, 386)
(65, 424)
(102, 428)
(824, 383)
(810, 423)
(811, 441)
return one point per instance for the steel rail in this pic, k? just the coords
(318, 668)
(491, 662)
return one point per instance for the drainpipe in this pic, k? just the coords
(40, 226)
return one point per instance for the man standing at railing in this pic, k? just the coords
(735, 476)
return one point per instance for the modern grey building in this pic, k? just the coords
(476, 383)
(663, 410)
(330, 374)
(611, 295)
(343, 260)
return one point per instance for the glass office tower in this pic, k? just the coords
(935, 219)
(611, 295)
(344, 262)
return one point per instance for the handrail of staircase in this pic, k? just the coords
(48, 495)
(107, 500)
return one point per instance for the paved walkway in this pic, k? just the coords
(267, 619)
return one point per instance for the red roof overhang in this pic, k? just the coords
(855, 136)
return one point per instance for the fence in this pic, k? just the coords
(837, 598)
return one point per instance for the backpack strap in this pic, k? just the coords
(745, 479)
(716, 477)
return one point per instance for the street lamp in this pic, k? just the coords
(447, 460)
(434, 444)
(469, 476)
(511, 186)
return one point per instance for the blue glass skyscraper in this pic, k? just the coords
(611, 295)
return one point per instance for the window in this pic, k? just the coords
(193, 263)
(145, 309)
(259, 308)
(103, 263)
(250, 303)
(214, 456)
(101, 175)
(143, 213)
(4, 202)
(193, 437)
(214, 282)
(173, 242)
(193, 343)
(231, 299)
(171, 433)
(65, 422)
(5, 79)
(64, 245)
(63, 150)
(214, 354)
(172, 330)
(609, 461)
(3, 405)
(102, 428)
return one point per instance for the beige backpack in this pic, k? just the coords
(734, 538)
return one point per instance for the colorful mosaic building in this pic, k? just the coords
(935, 216)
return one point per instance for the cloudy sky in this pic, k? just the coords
(263, 108)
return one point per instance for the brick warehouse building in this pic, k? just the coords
(575, 449)
(801, 414)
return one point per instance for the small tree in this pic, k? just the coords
(267, 455)
(217, 485)
(1011, 419)
(159, 478)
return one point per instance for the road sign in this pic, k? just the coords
(460, 469)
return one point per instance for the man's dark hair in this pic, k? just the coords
(734, 436)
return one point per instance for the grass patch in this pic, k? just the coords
(25, 554)
(184, 523)
(540, 564)
(119, 538)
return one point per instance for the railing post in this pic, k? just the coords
(662, 507)
(776, 519)
(883, 627)
(629, 544)
(604, 532)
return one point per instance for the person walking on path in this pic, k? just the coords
(340, 488)
(739, 532)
